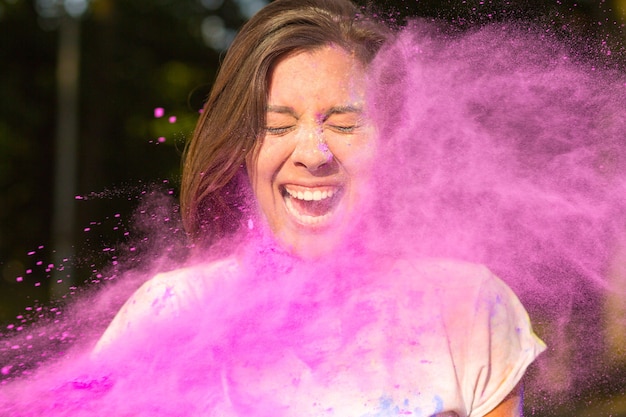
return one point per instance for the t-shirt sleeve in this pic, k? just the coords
(156, 299)
(501, 346)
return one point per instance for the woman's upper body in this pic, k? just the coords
(423, 338)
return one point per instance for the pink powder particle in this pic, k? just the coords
(6, 369)
(159, 112)
(172, 119)
(161, 139)
(19, 279)
(86, 229)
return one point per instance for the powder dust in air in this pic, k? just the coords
(499, 146)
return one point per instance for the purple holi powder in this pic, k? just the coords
(511, 152)
(497, 149)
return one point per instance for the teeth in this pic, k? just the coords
(304, 218)
(316, 195)
(308, 195)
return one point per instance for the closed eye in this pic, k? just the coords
(343, 119)
(342, 128)
(278, 130)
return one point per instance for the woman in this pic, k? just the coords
(286, 126)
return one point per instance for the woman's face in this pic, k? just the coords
(309, 172)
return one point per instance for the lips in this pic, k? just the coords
(311, 206)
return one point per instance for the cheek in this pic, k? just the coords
(263, 168)
(357, 154)
(272, 156)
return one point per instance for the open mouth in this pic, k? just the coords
(311, 206)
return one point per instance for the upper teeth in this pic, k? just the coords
(308, 195)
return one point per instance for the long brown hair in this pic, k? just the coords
(214, 182)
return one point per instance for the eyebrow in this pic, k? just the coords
(282, 110)
(333, 110)
(344, 109)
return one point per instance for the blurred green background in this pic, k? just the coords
(80, 142)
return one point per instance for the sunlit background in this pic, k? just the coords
(97, 100)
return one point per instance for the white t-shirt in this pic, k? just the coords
(425, 338)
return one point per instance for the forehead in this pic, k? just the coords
(326, 72)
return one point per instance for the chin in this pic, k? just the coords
(314, 246)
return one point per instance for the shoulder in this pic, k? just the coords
(444, 276)
(460, 288)
(169, 292)
(460, 295)
(488, 331)
(168, 296)
(185, 282)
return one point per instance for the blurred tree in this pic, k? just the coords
(136, 55)
(27, 62)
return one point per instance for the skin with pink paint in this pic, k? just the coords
(311, 170)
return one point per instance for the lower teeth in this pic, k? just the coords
(304, 218)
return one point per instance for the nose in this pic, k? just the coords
(311, 150)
